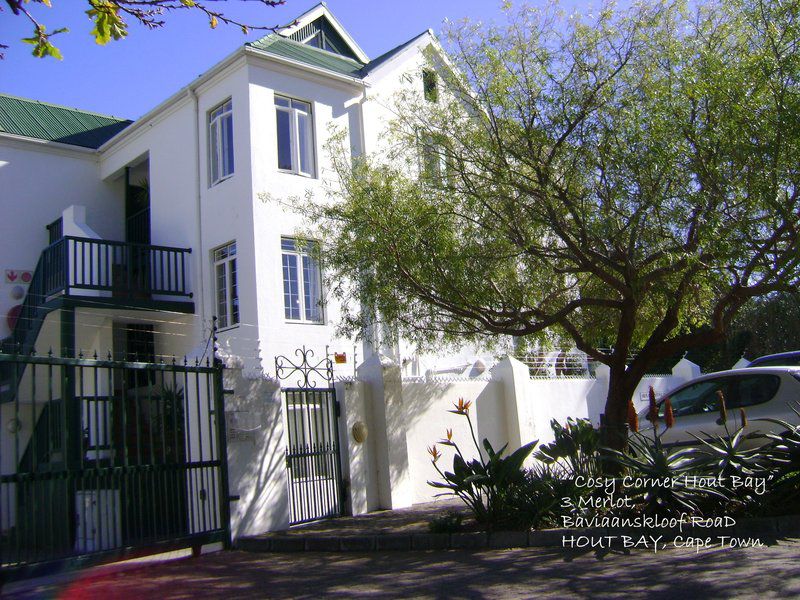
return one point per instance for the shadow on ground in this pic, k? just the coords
(746, 573)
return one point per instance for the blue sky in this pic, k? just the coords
(129, 77)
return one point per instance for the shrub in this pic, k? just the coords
(449, 522)
(484, 485)
(575, 449)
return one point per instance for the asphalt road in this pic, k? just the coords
(768, 572)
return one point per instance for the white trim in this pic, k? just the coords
(317, 11)
(263, 54)
(152, 115)
(421, 42)
(47, 145)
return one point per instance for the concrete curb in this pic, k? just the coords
(767, 529)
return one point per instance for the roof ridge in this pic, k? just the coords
(62, 107)
(378, 60)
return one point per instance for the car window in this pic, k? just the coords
(754, 389)
(786, 361)
(697, 398)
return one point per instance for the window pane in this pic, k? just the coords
(291, 294)
(284, 140)
(213, 150)
(222, 296)
(304, 140)
(227, 152)
(234, 293)
(281, 101)
(300, 105)
(312, 290)
(697, 398)
(288, 244)
(756, 389)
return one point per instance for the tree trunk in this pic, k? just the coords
(621, 386)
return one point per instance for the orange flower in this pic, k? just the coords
(434, 453)
(447, 441)
(723, 410)
(462, 408)
(633, 418)
(669, 417)
(652, 412)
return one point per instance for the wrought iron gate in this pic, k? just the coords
(105, 458)
(312, 456)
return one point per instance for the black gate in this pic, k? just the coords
(312, 456)
(102, 459)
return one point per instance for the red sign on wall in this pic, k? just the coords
(18, 276)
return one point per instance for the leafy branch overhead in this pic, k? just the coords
(626, 179)
(110, 18)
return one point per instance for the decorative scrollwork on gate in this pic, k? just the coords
(307, 367)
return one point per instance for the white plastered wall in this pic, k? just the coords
(39, 181)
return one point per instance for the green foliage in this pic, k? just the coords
(630, 176)
(108, 19)
(538, 501)
(782, 454)
(652, 463)
(575, 450)
(485, 485)
(449, 522)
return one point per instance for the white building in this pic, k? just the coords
(131, 237)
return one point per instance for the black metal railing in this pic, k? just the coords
(96, 466)
(86, 267)
(312, 452)
(124, 268)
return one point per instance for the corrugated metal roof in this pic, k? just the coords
(44, 121)
(315, 57)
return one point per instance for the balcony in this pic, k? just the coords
(88, 272)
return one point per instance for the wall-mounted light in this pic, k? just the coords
(359, 432)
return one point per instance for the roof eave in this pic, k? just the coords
(177, 96)
(357, 81)
(52, 144)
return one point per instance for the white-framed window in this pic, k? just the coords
(220, 142)
(430, 85)
(226, 289)
(434, 168)
(302, 280)
(295, 136)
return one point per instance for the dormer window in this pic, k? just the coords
(321, 34)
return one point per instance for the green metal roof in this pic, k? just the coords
(315, 57)
(44, 121)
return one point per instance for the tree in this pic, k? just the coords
(629, 177)
(109, 18)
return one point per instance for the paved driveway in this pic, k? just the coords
(770, 572)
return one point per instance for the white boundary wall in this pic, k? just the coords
(391, 468)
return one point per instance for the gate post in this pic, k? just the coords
(222, 440)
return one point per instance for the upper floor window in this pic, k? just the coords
(430, 85)
(220, 142)
(295, 136)
(434, 167)
(225, 285)
(302, 280)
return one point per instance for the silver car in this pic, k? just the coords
(760, 391)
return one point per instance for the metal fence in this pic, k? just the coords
(102, 458)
